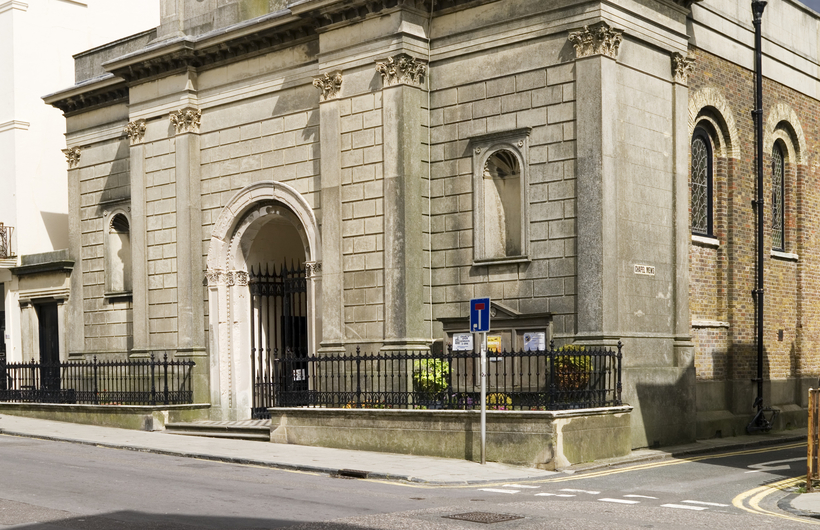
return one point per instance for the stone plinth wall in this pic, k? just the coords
(142, 418)
(546, 440)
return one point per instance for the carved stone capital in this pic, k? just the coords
(682, 66)
(72, 156)
(329, 85)
(598, 39)
(240, 277)
(213, 277)
(402, 68)
(135, 131)
(312, 268)
(186, 120)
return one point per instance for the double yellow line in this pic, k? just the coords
(750, 500)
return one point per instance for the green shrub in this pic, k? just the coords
(430, 376)
(572, 371)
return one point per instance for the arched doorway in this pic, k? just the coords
(264, 282)
(278, 291)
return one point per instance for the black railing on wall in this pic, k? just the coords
(554, 379)
(5, 241)
(132, 382)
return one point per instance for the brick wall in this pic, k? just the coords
(722, 279)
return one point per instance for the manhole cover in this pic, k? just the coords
(483, 517)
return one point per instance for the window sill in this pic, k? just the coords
(709, 324)
(785, 256)
(118, 297)
(704, 241)
(500, 261)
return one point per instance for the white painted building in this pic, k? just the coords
(37, 41)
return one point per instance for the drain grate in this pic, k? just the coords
(483, 517)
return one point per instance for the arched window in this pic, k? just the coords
(702, 184)
(118, 255)
(502, 205)
(778, 195)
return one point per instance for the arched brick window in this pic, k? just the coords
(778, 198)
(702, 184)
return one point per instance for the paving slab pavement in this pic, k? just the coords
(418, 469)
(410, 468)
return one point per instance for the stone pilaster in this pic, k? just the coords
(332, 318)
(189, 219)
(75, 323)
(597, 182)
(403, 100)
(135, 131)
(682, 66)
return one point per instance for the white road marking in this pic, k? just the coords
(520, 486)
(684, 507)
(642, 497)
(494, 490)
(767, 466)
(706, 503)
(553, 495)
(620, 501)
(582, 491)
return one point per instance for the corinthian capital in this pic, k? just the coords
(598, 39)
(329, 85)
(402, 68)
(72, 156)
(186, 120)
(682, 66)
(135, 131)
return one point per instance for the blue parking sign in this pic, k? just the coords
(479, 315)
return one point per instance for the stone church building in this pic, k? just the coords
(586, 165)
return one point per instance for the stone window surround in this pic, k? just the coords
(113, 209)
(482, 147)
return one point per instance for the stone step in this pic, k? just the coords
(255, 430)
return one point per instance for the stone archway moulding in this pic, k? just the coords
(230, 314)
(795, 142)
(712, 97)
(225, 227)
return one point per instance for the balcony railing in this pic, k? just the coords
(5, 241)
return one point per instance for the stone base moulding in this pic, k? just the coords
(543, 439)
(137, 417)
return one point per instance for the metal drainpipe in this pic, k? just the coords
(757, 11)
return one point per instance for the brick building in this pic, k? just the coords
(404, 156)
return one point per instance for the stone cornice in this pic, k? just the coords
(13, 4)
(95, 93)
(14, 124)
(686, 3)
(212, 49)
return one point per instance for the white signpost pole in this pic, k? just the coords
(484, 398)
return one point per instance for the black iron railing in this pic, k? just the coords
(5, 241)
(132, 382)
(554, 379)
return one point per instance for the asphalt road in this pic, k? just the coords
(56, 485)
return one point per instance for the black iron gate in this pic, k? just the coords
(278, 330)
